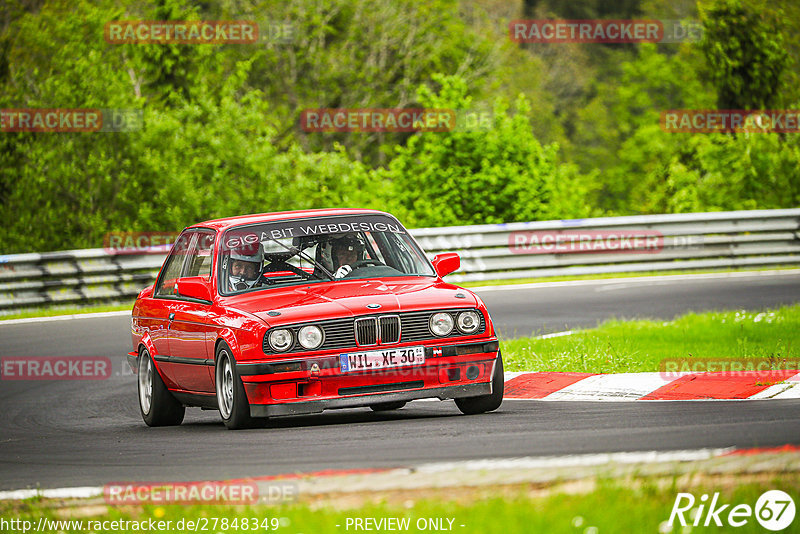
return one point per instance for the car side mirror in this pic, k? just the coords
(446, 263)
(194, 287)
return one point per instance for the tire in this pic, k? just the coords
(231, 397)
(485, 403)
(387, 406)
(156, 404)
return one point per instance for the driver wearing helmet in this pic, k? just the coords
(345, 252)
(245, 266)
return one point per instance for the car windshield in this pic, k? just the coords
(259, 256)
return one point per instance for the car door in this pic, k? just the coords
(158, 313)
(191, 358)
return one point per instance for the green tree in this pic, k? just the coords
(746, 54)
(361, 54)
(712, 172)
(620, 131)
(202, 154)
(63, 188)
(497, 174)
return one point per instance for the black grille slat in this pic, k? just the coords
(390, 329)
(416, 327)
(336, 340)
(340, 334)
(367, 331)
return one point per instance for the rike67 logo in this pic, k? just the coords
(774, 510)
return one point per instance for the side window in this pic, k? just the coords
(200, 256)
(172, 269)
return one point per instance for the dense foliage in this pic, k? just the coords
(573, 129)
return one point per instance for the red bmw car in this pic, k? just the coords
(299, 312)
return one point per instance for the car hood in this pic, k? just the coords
(346, 298)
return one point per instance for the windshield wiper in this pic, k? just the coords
(299, 252)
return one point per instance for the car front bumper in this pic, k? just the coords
(449, 372)
(318, 406)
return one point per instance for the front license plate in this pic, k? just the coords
(381, 359)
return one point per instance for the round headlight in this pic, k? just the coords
(468, 321)
(310, 336)
(280, 339)
(441, 323)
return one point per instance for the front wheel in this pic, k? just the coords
(486, 403)
(157, 406)
(231, 397)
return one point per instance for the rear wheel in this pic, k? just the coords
(387, 406)
(231, 397)
(157, 406)
(486, 403)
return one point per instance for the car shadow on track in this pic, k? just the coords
(348, 416)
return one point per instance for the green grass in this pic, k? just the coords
(52, 312)
(640, 505)
(639, 346)
(606, 276)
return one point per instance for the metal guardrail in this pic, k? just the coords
(736, 239)
(733, 239)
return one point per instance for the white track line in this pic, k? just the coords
(488, 464)
(58, 493)
(635, 279)
(573, 460)
(788, 389)
(508, 375)
(634, 386)
(556, 334)
(65, 317)
(611, 387)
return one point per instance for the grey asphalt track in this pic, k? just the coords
(69, 433)
(543, 309)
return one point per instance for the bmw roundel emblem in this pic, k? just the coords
(373, 306)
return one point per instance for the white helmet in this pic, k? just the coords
(252, 253)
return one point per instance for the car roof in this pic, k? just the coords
(228, 222)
